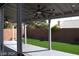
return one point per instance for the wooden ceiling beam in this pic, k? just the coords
(62, 12)
(71, 8)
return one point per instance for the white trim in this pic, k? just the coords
(13, 33)
(25, 33)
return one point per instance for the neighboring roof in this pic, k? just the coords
(61, 10)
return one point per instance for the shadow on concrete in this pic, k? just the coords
(36, 51)
(9, 52)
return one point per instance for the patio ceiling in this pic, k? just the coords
(61, 10)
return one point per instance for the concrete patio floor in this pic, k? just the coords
(32, 50)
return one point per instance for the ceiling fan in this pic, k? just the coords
(42, 12)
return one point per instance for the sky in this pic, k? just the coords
(55, 21)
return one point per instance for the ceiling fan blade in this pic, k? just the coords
(43, 8)
(36, 16)
(50, 10)
(44, 16)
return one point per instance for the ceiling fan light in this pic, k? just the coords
(39, 12)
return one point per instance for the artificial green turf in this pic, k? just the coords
(70, 48)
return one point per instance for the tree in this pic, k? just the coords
(38, 24)
(55, 28)
(7, 25)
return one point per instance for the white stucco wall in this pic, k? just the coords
(70, 24)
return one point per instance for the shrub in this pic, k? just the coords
(7, 25)
(55, 28)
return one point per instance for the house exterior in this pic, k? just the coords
(68, 31)
(69, 24)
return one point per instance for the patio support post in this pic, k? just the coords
(1, 30)
(19, 28)
(22, 31)
(13, 32)
(49, 29)
(25, 33)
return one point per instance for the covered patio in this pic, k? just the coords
(32, 50)
(25, 14)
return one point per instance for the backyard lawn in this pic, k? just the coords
(70, 48)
